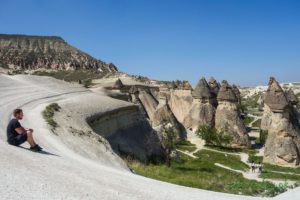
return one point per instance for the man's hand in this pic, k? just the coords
(29, 129)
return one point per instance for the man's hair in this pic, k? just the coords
(17, 111)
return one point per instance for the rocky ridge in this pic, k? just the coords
(24, 52)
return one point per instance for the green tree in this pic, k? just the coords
(169, 135)
(213, 137)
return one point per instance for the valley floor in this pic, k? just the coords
(64, 171)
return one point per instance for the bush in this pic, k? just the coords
(48, 114)
(248, 120)
(87, 83)
(257, 141)
(213, 137)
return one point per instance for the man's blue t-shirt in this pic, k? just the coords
(10, 131)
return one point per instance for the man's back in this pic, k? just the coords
(10, 131)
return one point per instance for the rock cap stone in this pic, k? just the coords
(202, 90)
(226, 93)
(275, 97)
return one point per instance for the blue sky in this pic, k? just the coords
(242, 41)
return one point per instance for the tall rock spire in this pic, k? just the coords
(283, 143)
(202, 111)
(228, 118)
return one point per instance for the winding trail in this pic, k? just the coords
(255, 118)
(199, 143)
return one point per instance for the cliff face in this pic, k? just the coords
(128, 132)
(180, 103)
(50, 52)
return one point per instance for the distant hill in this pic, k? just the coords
(23, 52)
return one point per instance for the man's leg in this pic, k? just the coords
(30, 139)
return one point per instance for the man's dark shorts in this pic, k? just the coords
(19, 139)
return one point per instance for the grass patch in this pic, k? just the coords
(251, 152)
(233, 150)
(224, 149)
(255, 159)
(185, 145)
(270, 189)
(48, 114)
(248, 120)
(278, 176)
(252, 156)
(72, 76)
(202, 173)
(257, 123)
(232, 161)
(60, 74)
(281, 169)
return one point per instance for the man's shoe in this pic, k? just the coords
(36, 148)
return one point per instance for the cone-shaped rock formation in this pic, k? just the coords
(202, 111)
(228, 118)
(283, 143)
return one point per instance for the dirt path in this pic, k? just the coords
(243, 156)
(255, 118)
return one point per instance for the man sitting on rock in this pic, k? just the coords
(17, 135)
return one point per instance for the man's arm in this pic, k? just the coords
(20, 130)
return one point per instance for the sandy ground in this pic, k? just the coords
(63, 172)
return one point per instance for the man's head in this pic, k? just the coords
(18, 113)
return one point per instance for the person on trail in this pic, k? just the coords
(17, 135)
(259, 167)
(253, 166)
